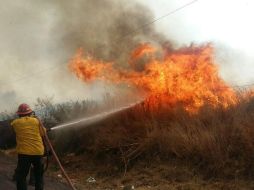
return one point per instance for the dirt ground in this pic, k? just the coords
(155, 176)
(7, 166)
(89, 175)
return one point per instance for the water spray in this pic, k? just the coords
(84, 122)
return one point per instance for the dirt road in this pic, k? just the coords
(7, 166)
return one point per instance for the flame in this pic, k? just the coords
(187, 76)
(88, 69)
(142, 50)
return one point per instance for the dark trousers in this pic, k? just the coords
(31, 177)
(24, 164)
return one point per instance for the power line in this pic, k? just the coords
(131, 32)
(159, 18)
(134, 31)
(3, 83)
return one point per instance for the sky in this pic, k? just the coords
(226, 23)
(33, 62)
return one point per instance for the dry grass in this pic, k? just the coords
(216, 142)
(158, 175)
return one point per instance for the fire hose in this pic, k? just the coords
(46, 139)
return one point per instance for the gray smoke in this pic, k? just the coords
(102, 28)
(39, 37)
(234, 65)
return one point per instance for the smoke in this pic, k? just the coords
(235, 65)
(227, 27)
(103, 28)
(39, 37)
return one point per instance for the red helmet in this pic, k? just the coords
(24, 109)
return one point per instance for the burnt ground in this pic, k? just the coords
(157, 176)
(7, 166)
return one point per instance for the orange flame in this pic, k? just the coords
(187, 76)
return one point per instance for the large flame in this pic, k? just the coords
(187, 76)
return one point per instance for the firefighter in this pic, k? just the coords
(29, 147)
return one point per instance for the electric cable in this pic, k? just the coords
(160, 18)
(131, 32)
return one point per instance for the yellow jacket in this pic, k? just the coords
(28, 136)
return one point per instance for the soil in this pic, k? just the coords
(156, 175)
(88, 174)
(7, 166)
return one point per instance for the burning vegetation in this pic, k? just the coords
(187, 76)
(211, 133)
(189, 113)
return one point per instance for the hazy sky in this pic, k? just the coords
(227, 23)
(31, 43)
